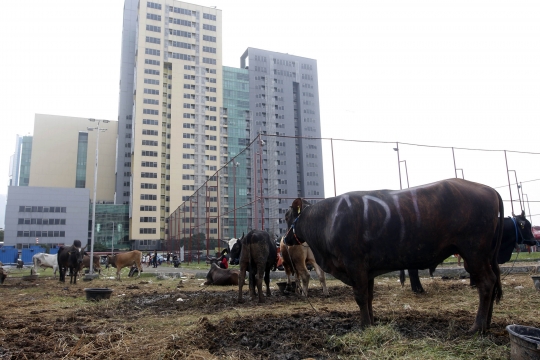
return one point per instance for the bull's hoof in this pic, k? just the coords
(475, 329)
(262, 301)
(241, 301)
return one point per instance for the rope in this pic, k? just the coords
(299, 281)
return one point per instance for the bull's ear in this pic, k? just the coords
(523, 213)
(297, 206)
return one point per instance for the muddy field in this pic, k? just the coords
(169, 319)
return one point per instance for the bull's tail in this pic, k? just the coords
(497, 291)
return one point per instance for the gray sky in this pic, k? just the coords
(448, 73)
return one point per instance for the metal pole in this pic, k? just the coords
(406, 172)
(454, 157)
(333, 165)
(509, 188)
(462, 174)
(234, 197)
(399, 166)
(261, 178)
(94, 204)
(112, 240)
(528, 205)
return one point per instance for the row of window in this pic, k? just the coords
(153, 40)
(151, 81)
(148, 186)
(147, 231)
(180, 44)
(150, 122)
(27, 221)
(153, 17)
(151, 102)
(149, 164)
(34, 234)
(147, 219)
(209, 27)
(46, 209)
(153, 28)
(152, 62)
(149, 153)
(209, 49)
(209, 61)
(150, 142)
(148, 197)
(179, 22)
(150, 112)
(153, 5)
(180, 56)
(209, 38)
(209, 16)
(151, 71)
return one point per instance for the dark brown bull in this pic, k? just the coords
(258, 255)
(360, 235)
(219, 276)
(70, 258)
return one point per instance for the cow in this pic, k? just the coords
(219, 276)
(70, 258)
(257, 254)
(295, 258)
(517, 230)
(95, 263)
(228, 250)
(45, 261)
(120, 261)
(359, 235)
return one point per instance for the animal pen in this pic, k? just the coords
(253, 190)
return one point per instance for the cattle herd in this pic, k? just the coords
(358, 236)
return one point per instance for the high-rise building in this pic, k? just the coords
(284, 101)
(170, 111)
(19, 170)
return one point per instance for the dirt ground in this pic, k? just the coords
(173, 319)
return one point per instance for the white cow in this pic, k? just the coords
(45, 261)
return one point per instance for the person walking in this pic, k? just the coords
(155, 259)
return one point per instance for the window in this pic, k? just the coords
(147, 219)
(147, 231)
(180, 44)
(209, 49)
(148, 164)
(209, 38)
(151, 81)
(147, 208)
(149, 175)
(148, 197)
(180, 33)
(153, 5)
(180, 56)
(151, 91)
(150, 142)
(180, 10)
(150, 112)
(150, 122)
(153, 40)
(209, 16)
(153, 17)
(209, 27)
(149, 51)
(153, 28)
(151, 71)
(209, 61)
(180, 22)
(148, 186)
(151, 101)
(149, 153)
(150, 132)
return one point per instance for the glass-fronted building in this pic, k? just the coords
(236, 101)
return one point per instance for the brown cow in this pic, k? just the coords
(300, 256)
(86, 263)
(120, 261)
(219, 276)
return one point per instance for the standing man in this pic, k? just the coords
(155, 259)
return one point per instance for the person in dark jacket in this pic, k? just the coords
(154, 259)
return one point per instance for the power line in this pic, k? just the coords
(521, 182)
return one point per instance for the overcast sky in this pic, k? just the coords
(446, 73)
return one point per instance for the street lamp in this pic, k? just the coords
(406, 171)
(98, 129)
(235, 165)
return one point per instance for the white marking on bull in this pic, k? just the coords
(416, 210)
(336, 213)
(366, 199)
(402, 222)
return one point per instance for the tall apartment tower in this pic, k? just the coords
(284, 101)
(173, 132)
